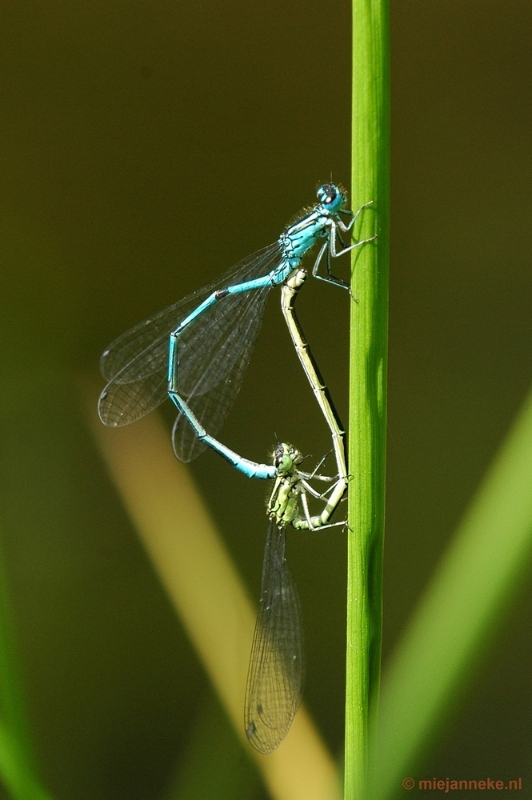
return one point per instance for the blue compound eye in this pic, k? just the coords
(330, 196)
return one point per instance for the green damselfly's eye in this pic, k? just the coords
(283, 457)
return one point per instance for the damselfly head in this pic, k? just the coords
(332, 197)
(286, 457)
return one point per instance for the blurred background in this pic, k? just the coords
(145, 147)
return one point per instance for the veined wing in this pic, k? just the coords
(135, 364)
(276, 669)
(213, 356)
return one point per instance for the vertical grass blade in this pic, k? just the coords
(369, 324)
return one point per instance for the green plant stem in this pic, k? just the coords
(367, 424)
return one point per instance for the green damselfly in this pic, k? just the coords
(277, 662)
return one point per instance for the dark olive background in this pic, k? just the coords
(144, 148)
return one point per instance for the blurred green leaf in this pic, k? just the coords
(480, 573)
(17, 769)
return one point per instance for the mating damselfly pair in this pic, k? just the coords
(196, 352)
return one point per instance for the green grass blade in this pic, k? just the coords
(476, 578)
(367, 426)
(17, 771)
(11, 702)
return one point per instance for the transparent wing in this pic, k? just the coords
(276, 669)
(135, 364)
(122, 403)
(142, 350)
(213, 357)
